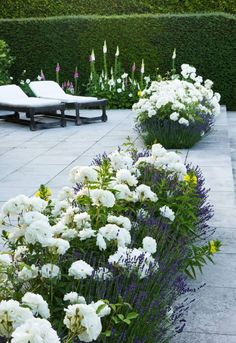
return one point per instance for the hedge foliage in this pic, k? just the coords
(45, 8)
(207, 41)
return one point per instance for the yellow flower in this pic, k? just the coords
(190, 179)
(213, 248)
(37, 194)
(139, 93)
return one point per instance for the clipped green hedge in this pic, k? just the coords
(45, 8)
(207, 41)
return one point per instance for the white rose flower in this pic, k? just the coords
(149, 245)
(74, 298)
(37, 304)
(83, 174)
(102, 197)
(145, 193)
(86, 233)
(38, 232)
(119, 90)
(5, 259)
(50, 271)
(12, 315)
(35, 330)
(167, 213)
(105, 311)
(28, 273)
(125, 176)
(82, 315)
(80, 270)
(184, 121)
(174, 116)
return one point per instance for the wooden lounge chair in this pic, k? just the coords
(51, 90)
(13, 99)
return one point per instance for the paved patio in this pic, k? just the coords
(28, 159)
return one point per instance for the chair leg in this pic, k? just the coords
(17, 115)
(63, 120)
(30, 114)
(78, 120)
(104, 114)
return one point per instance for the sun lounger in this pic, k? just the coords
(51, 90)
(13, 99)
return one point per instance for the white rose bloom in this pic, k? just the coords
(145, 193)
(82, 315)
(119, 90)
(12, 315)
(5, 260)
(100, 242)
(37, 304)
(167, 213)
(80, 270)
(113, 232)
(121, 160)
(28, 273)
(124, 76)
(38, 232)
(118, 80)
(66, 193)
(82, 220)
(184, 121)
(16, 206)
(86, 233)
(149, 245)
(83, 174)
(125, 176)
(35, 330)
(61, 245)
(104, 312)
(120, 221)
(37, 204)
(74, 298)
(124, 193)
(50, 271)
(69, 234)
(32, 216)
(174, 116)
(102, 197)
(158, 151)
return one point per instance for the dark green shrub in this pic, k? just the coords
(45, 8)
(207, 41)
(5, 63)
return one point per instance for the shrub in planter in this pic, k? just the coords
(178, 110)
(105, 260)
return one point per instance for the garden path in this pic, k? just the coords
(28, 159)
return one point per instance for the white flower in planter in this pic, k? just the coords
(174, 116)
(80, 270)
(121, 160)
(50, 271)
(105, 311)
(37, 304)
(38, 232)
(35, 330)
(119, 90)
(184, 121)
(86, 233)
(167, 213)
(82, 320)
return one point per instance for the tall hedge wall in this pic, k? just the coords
(45, 8)
(205, 41)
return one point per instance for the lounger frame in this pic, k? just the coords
(31, 112)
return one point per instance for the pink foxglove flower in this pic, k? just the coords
(133, 67)
(58, 68)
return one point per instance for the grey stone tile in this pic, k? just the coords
(196, 337)
(214, 311)
(223, 217)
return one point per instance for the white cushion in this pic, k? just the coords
(28, 102)
(12, 92)
(52, 90)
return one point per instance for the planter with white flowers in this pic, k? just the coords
(176, 112)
